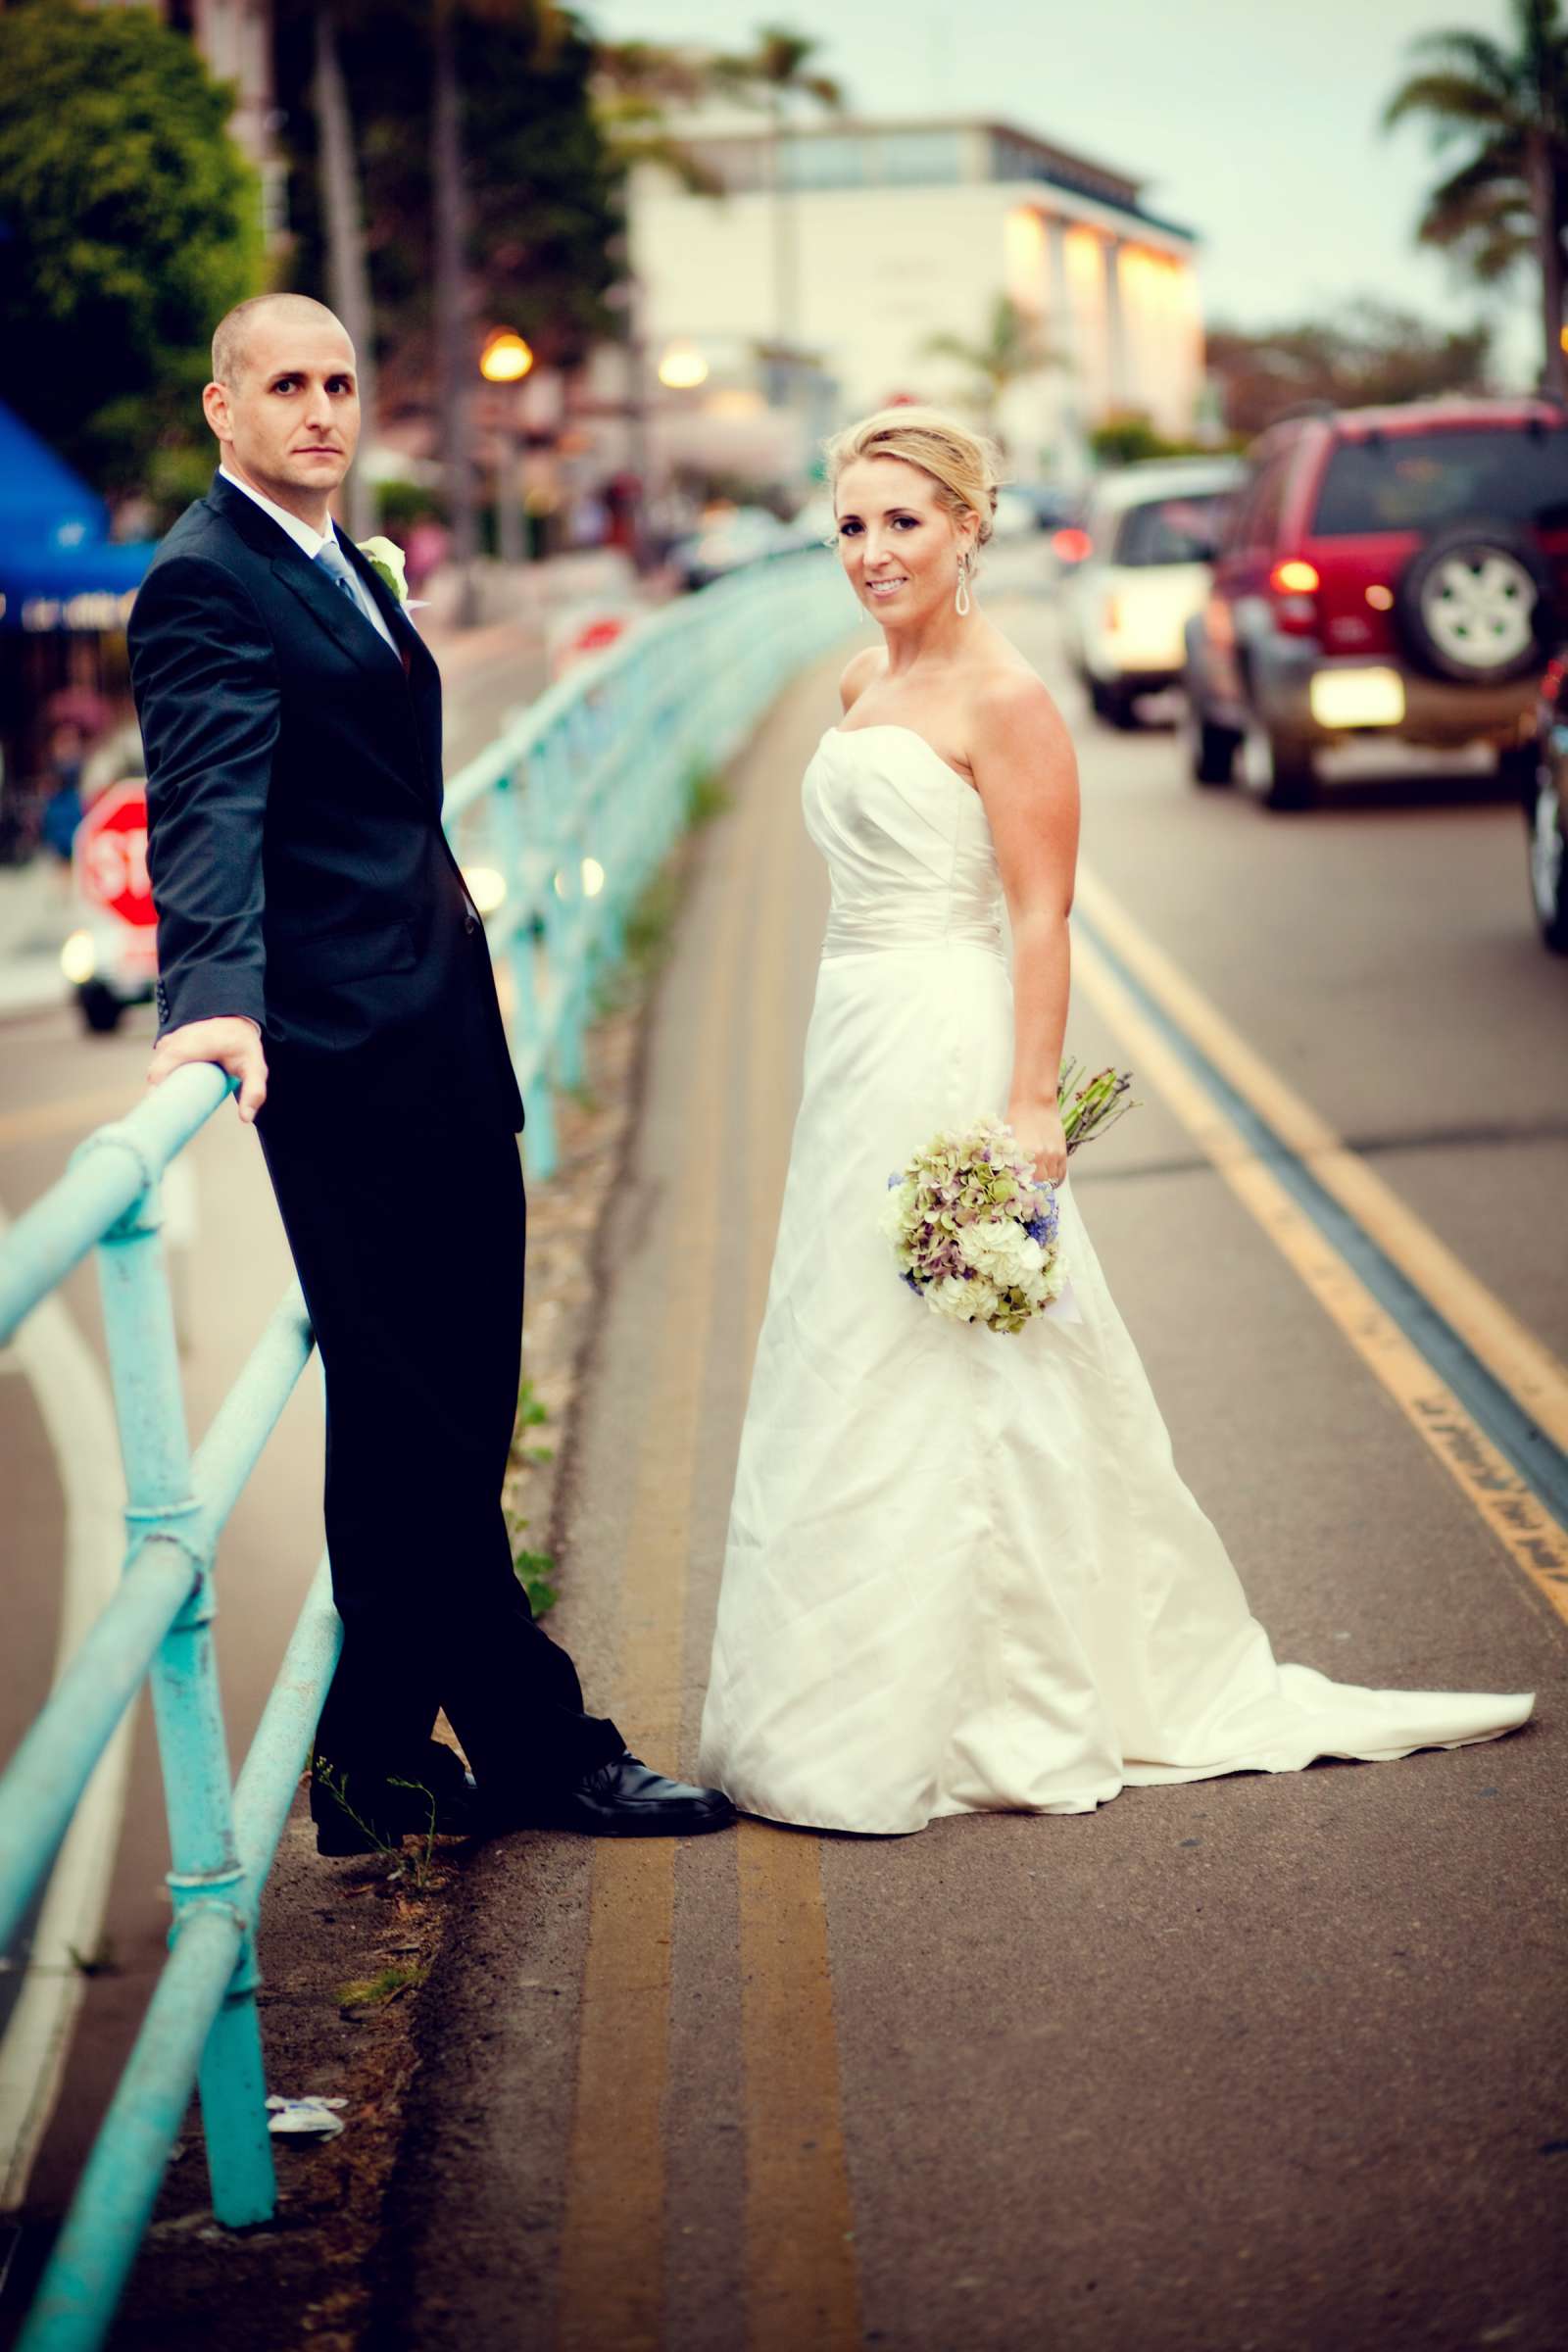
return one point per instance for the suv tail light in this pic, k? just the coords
(1294, 577)
(1295, 583)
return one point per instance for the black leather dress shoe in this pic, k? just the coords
(625, 1799)
(357, 1815)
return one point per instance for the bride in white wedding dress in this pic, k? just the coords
(962, 1574)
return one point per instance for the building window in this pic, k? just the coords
(827, 162)
(932, 159)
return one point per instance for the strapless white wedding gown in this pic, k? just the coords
(962, 1574)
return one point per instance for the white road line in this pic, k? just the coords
(72, 1398)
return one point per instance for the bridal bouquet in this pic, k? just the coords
(973, 1231)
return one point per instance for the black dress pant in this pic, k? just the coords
(408, 1243)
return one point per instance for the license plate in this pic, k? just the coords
(1357, 698)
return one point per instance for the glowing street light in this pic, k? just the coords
(682, 367)
(505, 358)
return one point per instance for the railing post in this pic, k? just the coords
(193, 1751)
(518, 859)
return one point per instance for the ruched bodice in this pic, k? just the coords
(907, 843)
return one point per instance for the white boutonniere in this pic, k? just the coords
(385, 559)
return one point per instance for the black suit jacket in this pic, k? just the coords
(298, 863)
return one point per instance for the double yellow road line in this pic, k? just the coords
(1478, 1387)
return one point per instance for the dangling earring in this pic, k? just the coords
(962, 600)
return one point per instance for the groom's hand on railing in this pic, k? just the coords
(232, 1040)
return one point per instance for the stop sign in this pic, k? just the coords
(111, 856)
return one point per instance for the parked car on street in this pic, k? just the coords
(1396, 572)
(1150, 530)
(1546, 808)
(730, 538)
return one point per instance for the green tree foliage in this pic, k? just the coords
(129, 224)
(543, 190)
(1368, 356)
(1129, 438)
(1508, 109)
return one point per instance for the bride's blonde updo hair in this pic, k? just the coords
(964, 465)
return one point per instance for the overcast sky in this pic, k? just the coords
(1254, 121)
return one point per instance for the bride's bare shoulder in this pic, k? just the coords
(859, 671)
(1014, 718)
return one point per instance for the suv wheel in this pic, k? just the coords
(1476, 603)
(101, 1009)
(1211, 750)
(1281, 769)
(1549, 863)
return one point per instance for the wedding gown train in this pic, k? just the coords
(962, 1574)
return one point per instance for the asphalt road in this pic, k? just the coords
(1272, 2064)
(56, 1084)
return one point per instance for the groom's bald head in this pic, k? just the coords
(237, 332)
(284, 401)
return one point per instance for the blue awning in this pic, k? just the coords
(88, 587)
(59, 570)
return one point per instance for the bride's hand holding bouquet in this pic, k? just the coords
(1041, 1138)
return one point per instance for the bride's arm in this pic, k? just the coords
(1027, 776)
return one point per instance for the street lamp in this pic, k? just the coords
(682, 367)
(506, 360)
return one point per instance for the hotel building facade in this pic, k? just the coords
(855, 243)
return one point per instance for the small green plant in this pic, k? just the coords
(379, 1992)
(531, 1414)
(416, 1868)
(534, 1570)
(707, 796)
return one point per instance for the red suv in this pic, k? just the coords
(1384, 571)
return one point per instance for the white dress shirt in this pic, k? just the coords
(311, 542)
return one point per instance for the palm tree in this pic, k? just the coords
(636, 85)
(453, 307)
(1012, 349)
(774, 72)
(1509, 196)
(347, 274)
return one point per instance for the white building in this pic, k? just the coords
(858, 242)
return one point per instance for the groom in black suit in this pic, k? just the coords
(316, 941)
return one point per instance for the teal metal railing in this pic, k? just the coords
(574, 808)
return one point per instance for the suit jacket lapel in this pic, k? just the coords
(330, 606)
(351, 630)
(412, 648)
(419, 664)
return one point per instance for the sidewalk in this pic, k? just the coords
(37, 911)
(1226, 2064)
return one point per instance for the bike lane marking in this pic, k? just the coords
(1536, 1540)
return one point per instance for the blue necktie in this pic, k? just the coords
(340, 572)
